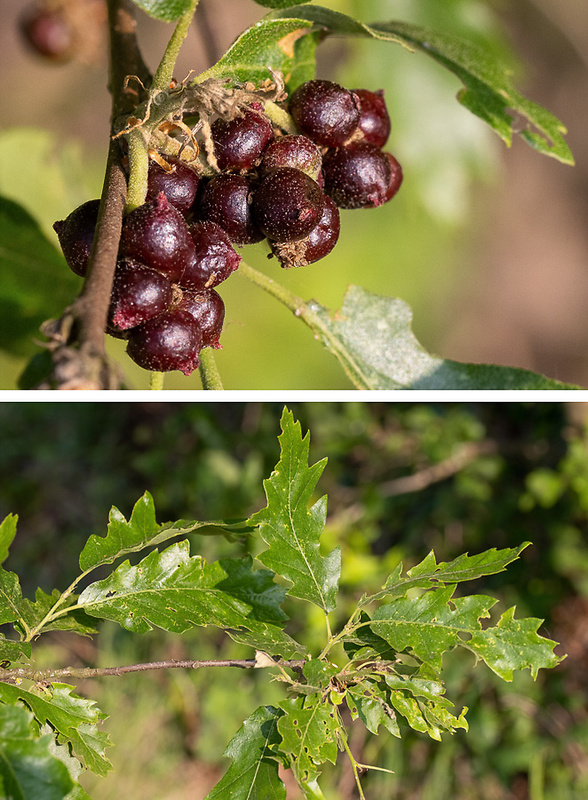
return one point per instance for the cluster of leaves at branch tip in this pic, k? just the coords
(388, 672)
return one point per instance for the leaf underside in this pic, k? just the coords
(372, 337)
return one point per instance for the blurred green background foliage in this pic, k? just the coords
(401, 479)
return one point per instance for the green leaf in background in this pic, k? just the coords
(11, 650)
(269, 43)
(488, 92)
(164, 10)
(292, 529)
(33, 613)
(141, 531)
(35, 284)
(176, 592)
(309, 734)
(7, 534)
(28, 768)
(74, 718)
(253, 775)
(373, 339)
(514, 644)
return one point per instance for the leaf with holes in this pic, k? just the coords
(292, 529)
(174, 591)
(514, 644)
(309, 735)
(428, 626)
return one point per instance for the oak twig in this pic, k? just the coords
(49, 675)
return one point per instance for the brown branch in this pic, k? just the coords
(435, 473)
(48, 675)
(438, 472)
(77, 339)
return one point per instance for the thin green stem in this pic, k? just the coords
(54, 612)
(329, 631)
(138, 170)
(285, 296)
(156, 381)
(314, 321)
(138, 151)
(354, 765)
(279, 117)
(348, 629)
(165, 70)
(209, 374)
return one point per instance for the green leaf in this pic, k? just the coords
(36, 283)
(253, 775)
(368, 703)
(74, 718)
(372, 338)
(7, 534)
(33, 613)
(488, 91)
(122, 537)
(318, 675)
(164, 10)
(309, 735)
(270, 639)
(428, 626)
(74, 767)
(421, 702)
(10, 597)
(11, 650)
(292, 529)
(28, 768)
(514, 644)
(282, 45)
(428, 573)
(141, 531)
(176, 592)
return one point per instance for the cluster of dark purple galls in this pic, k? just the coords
(178, 247)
